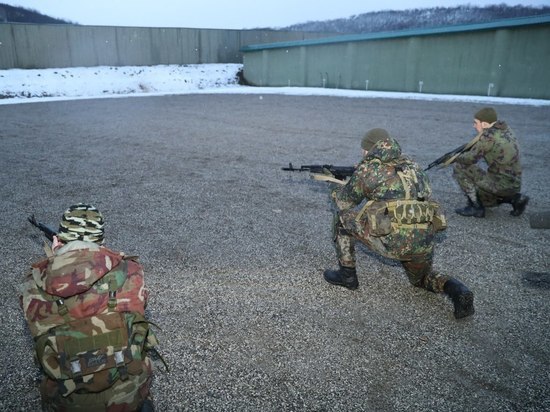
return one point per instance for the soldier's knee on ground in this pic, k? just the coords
(416, 282)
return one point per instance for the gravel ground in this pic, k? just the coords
(234, 250)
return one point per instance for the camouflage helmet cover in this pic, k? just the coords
(81, 222)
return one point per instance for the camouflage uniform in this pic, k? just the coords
(71, 287)
(85, 307)
(376, 178)
(498, 147)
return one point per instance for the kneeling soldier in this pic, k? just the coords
(500, 181)
(398, 220)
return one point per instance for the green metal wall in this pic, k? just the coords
(35, 46)
(507, 60)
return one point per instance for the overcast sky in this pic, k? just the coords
(225, 14)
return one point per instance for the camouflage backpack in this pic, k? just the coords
(85, 310)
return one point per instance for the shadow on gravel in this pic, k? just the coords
(540, 280)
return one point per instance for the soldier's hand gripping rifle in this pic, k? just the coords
(449, 158)
(49, 233)
(328, 173)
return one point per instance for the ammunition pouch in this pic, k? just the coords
(386, 216)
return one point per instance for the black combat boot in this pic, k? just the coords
(147, 406)
(346, 277)
(519, 202)
(474, 209)
(462, 297)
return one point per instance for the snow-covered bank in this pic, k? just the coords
(89, 82)
(26, 86)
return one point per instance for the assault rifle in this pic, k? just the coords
(338, 172)
(450, 157)
(445, 160)
(49, 233)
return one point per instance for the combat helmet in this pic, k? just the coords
(82, 222)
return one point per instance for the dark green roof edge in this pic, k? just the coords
(497, 24)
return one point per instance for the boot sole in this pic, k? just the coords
(464, 305)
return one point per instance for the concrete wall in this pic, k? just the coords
(32, 46)
(510, 60)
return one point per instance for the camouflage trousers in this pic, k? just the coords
(488, 188)
(418, 268)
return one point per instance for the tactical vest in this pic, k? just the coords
(389, 216)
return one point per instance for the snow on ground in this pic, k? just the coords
(27, 86)
(21, 85)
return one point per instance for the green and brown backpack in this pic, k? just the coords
(85, 307)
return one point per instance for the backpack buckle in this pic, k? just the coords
(112, 293)
(121, 366)
(61, 307)
(76, 370)
(112, 300)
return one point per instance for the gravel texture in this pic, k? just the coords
(234, 249)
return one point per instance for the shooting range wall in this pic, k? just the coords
(38, 46)
(506, 58)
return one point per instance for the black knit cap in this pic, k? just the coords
(487, 114)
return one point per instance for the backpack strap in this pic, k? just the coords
(408, 178)
(113, 285)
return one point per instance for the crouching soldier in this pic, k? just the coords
(500, 181)
(84, 305)
(399, 220)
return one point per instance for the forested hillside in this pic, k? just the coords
(388, 20)
(417, 18)
(14, 14)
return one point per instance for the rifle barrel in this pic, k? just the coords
(340, 172)
(49, 233)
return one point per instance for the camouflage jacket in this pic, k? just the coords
(377, 178)
(499, 148)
